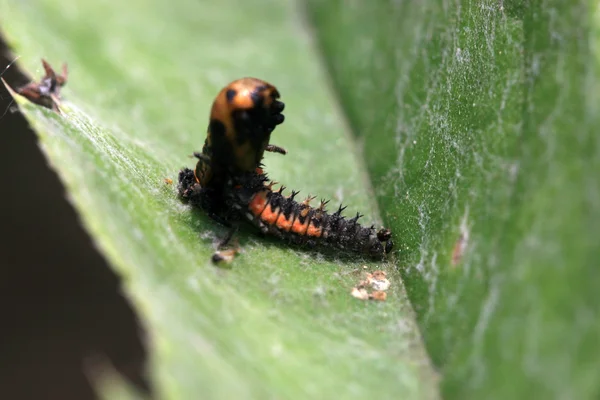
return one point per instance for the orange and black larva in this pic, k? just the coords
(229, 183)
(299, 223)
(250, 196)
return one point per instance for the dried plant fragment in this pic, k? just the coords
(225, 255)
(46, 92)
(377, 281)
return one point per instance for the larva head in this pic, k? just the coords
(380, 244)
(242, 117)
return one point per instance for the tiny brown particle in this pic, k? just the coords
(378, 296)
(168, 181)
(226, 256)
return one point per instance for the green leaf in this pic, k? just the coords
(479, 121)
(281, 322)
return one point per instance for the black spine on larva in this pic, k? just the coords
(336, 230)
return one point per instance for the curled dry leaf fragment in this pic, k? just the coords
(46, 92)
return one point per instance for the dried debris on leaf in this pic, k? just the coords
(377, 281)
(46, 92)
(226, 255)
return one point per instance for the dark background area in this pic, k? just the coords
(60, 302)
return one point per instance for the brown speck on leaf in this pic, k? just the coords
(46, 92)
(168, 181)
(226, 255)
(378, 295)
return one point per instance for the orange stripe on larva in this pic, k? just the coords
(283, 223)
(313, 231)
(269, 215)
(258, 203)
(300, 228)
